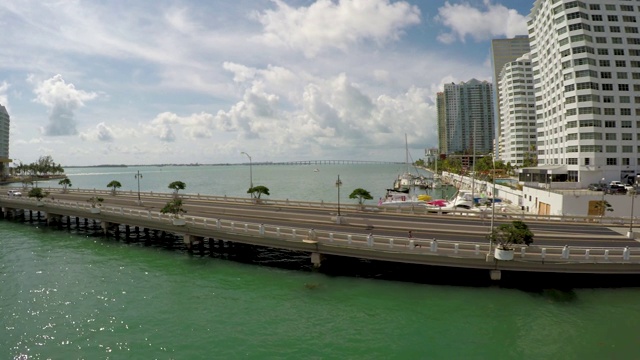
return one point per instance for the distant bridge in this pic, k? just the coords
(326, 162)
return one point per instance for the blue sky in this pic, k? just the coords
(155, 81)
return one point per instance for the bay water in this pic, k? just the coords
(68, 295)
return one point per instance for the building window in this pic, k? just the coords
(627, 137)
(625, 161)
(605, 75)
(604, 63)
(623, 87)
(610, 136)
(627, 149)
(626, 124)
(621, 63)
(612, 161)
(609, 111)
(611, 148)
(603, 51)
(609, 124)
(625, 112)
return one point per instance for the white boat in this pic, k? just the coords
(463, 200)
(397, 198)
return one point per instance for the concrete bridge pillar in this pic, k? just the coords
(105, 227)
(191, 240)
(495, 275)
(316, 259)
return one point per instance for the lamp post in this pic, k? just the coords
(250, 172)
(602, 207)
(138, 176)
(632, 192)
(338, 184)
(493, 200)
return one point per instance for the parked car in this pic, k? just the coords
(14, 193)
(615, 189)
(596, 187)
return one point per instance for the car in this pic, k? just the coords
(14, 193)
(596, 187)
(615, 189)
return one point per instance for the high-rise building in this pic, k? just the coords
(442, 123)
(468, 117)
(504, 51)
(586, 69)
(4, 140)
(518, 113)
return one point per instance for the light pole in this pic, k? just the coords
(250, 172)
(138, 176)
(493, 201)
(602, 207)
(632, 192)
(338, 184)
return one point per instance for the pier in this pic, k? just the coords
(360, 232)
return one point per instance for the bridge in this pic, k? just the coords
(327, 162)
(317, 229)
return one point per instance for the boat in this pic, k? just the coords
(463, 200)
(403, 198)
(408, 181)
(316, 170)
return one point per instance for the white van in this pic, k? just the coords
(14, 193)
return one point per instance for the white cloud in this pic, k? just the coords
(4, 86)
(481, 24)
(325, 24)
(102, 132)
(63, 100)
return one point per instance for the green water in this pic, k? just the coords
(67, 296)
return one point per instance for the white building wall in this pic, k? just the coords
(586, 66)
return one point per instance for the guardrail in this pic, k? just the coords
(481, 212)
(426, 247)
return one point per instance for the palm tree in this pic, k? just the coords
(65, 183)
(114, 184)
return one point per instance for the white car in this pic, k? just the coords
(14, 193)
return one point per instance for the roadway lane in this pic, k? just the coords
(424, 226)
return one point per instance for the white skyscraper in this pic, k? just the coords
(517, 113)
(586, 67)
(4, 139)
(504, 51)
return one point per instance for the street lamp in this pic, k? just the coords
(250, 172)
(138, 176)
(602, 207)
(631, 192)
(493, 201)
(338, 184)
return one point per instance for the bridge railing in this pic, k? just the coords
(347, 209)
(426, 247)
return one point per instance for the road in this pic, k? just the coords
(427, 227)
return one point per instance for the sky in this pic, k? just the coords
(198, 81)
